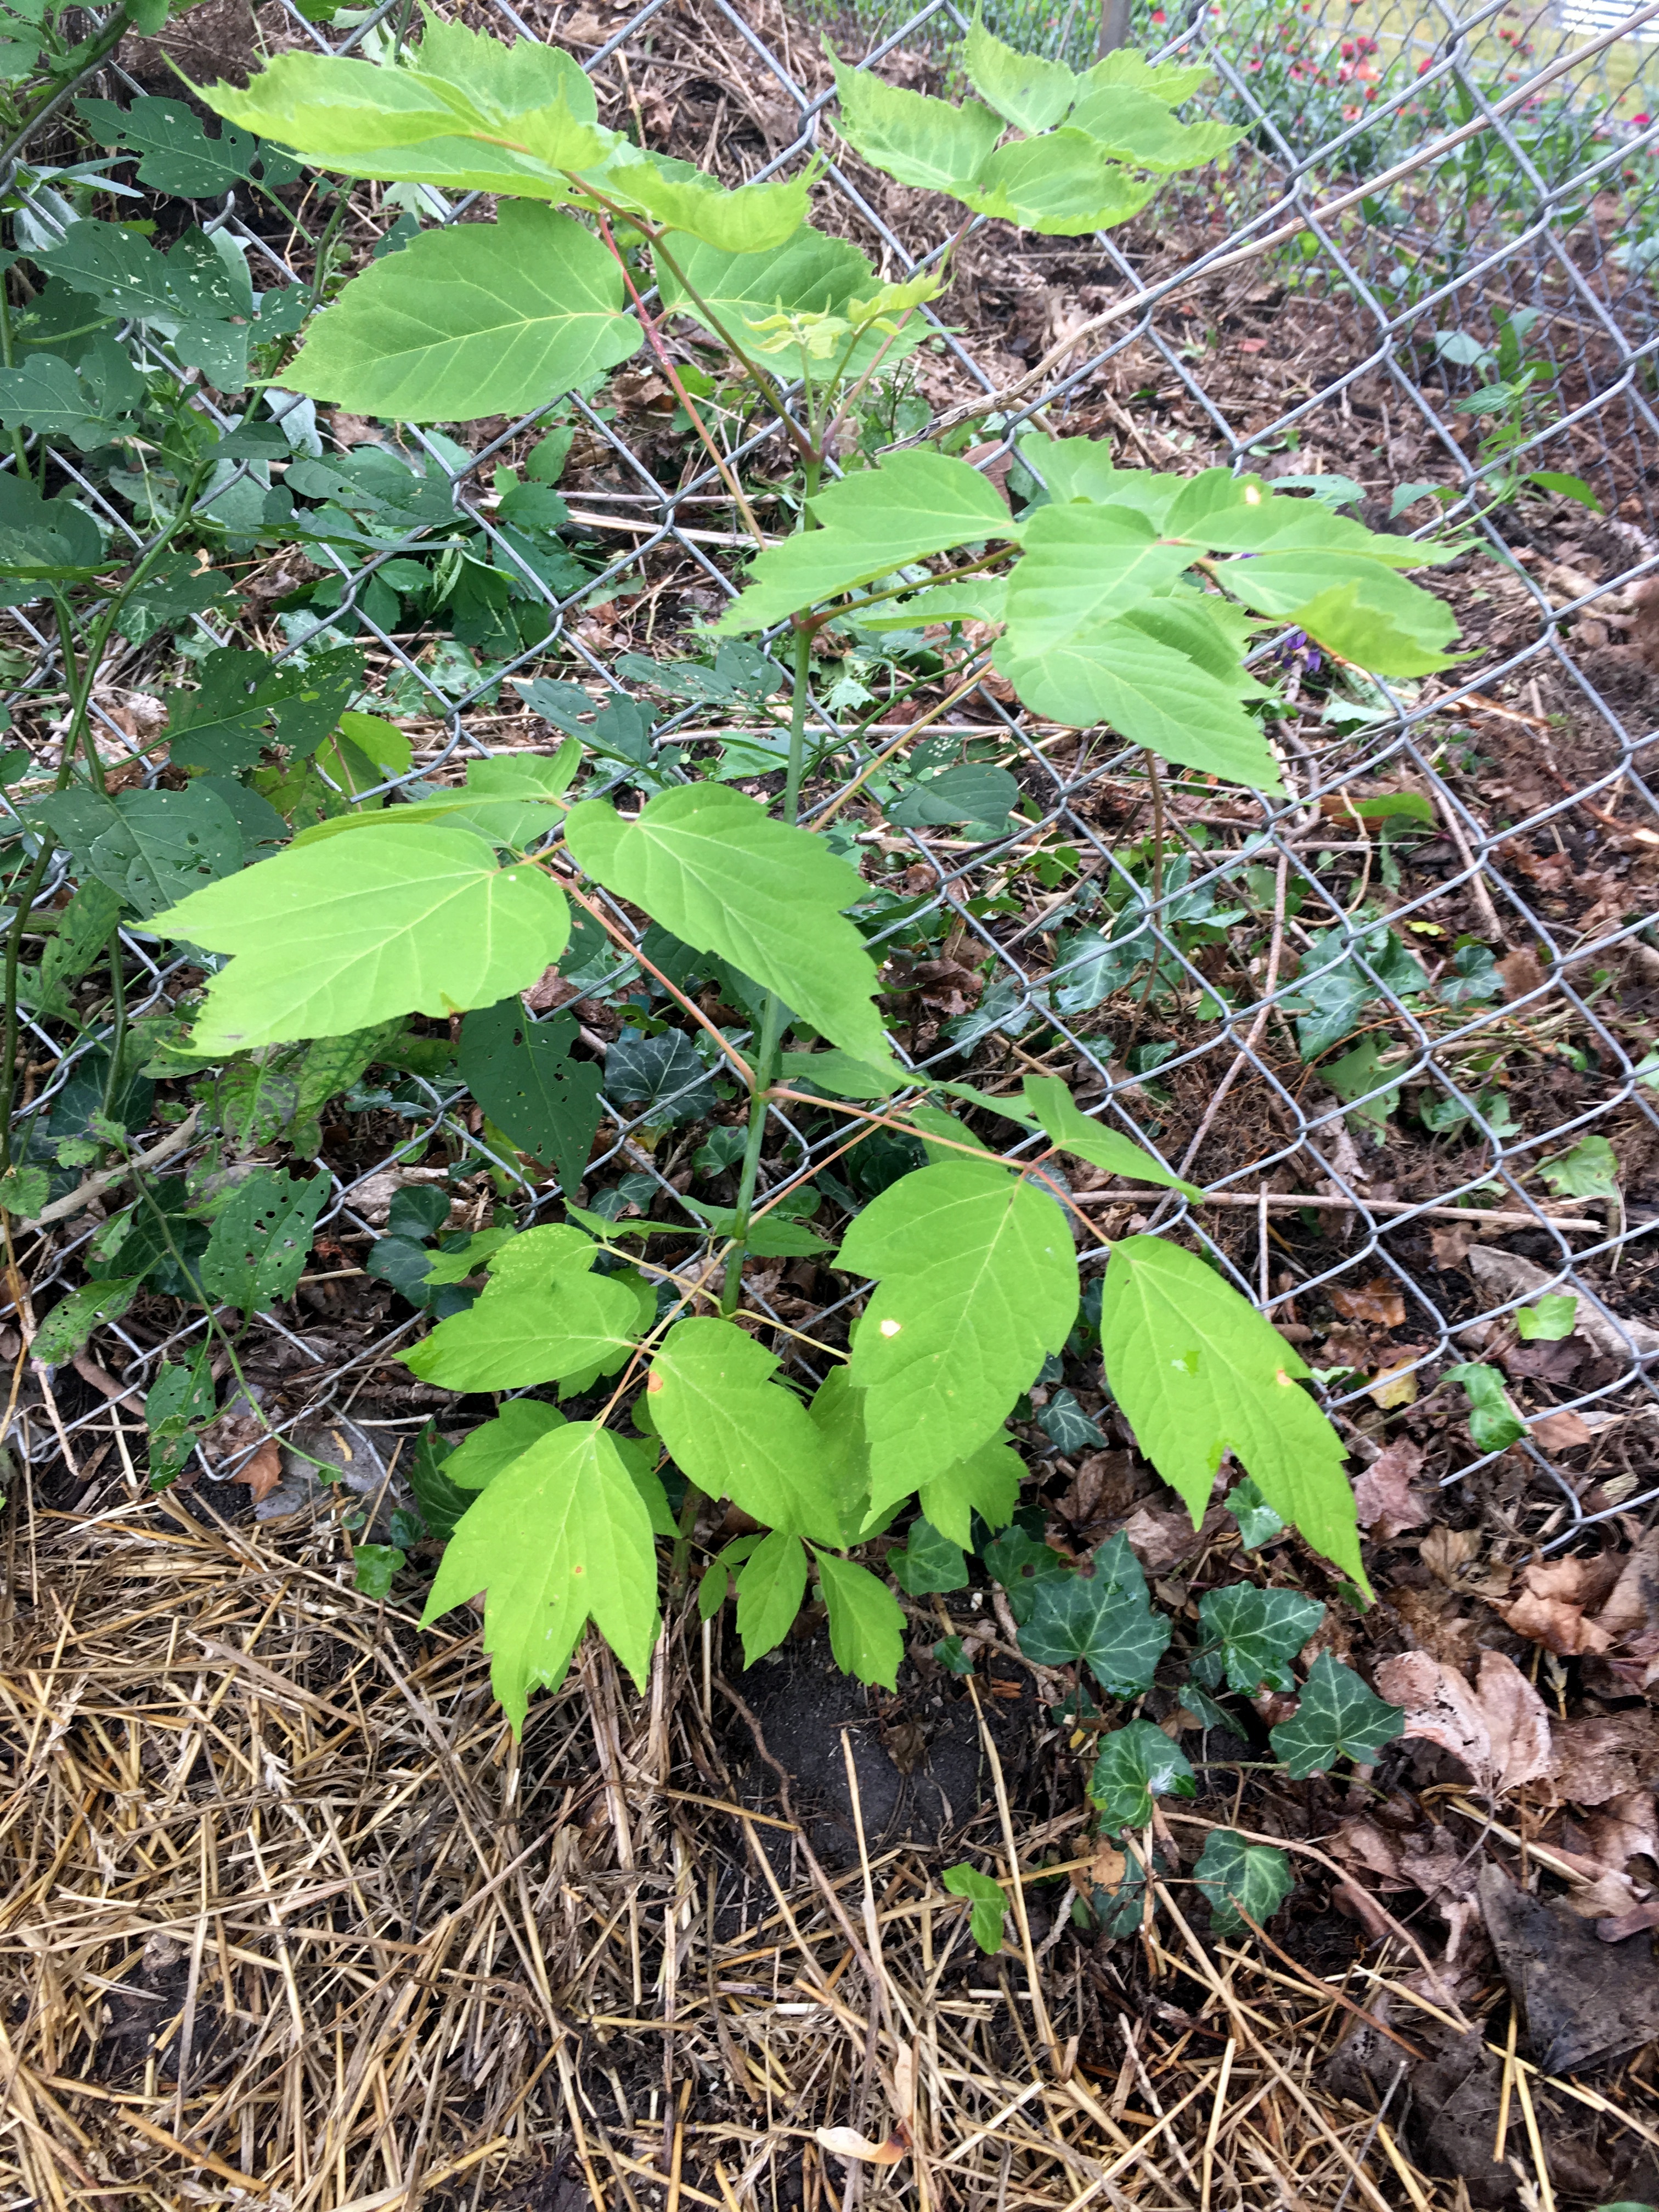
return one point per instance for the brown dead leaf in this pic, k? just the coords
(1397, 1383)
(1106, 1868)
(1562, 1431)
(1607, 1756)
(847, 2142)
(1432, 1620)
(1448, 1245)
(1624, 1826)
(1499, 1729)
(1622, 1924)
(1446, 1553)
(1383, 1497)
(1159, 1538)
(1365, 1844)
(1517, 1721)
(1633, 1604)
(1556, 1598)
(1522, 973)
(1381, 1300)
(262, 1473)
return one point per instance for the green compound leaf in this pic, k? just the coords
(715, 868)
(810, 274)
(1133, 124)
(866, 1622)
(1347, 620)
(1025, 90)
(1252, 1636)
(1083, 564)
(1151, 691)
(987, 1482)
(987, 1903)
(738, 1434)
(261, 1236)
(1199, 1372)
(521, 1422)
(561, 1537)
(522, 1073)
(750, 219)
(914, 138)
(1239, 1878)
(1137, 1764)
(1064, 184)
(1103, 1618)
(333, 937)
(928, 1562)
(478, 320)
(1071, 1130)
(1337, 1719)
(771, 1583)
(915, 503)
(978, 1283)
(542, 1318)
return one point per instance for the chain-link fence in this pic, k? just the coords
(1402, 1027)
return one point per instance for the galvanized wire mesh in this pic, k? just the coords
(1380, 306)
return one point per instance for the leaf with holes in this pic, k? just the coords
(738, 1434)
(335, 937)
(977, 1283)
(1103, 1618)
(1237, 1877)
(1338, 1717)
(1137, 1764)
(866, 1626)
(261, 1235)
(522, 1073)
(988, 1904)
(1199, 1372)
(1252, 1635)
(72, 1321)
(559, 1538)
(715, 868)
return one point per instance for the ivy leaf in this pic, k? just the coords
(1199, 1372)
(440, 1505)
(260, 1237)
(474, 1464)
(1071, 1130)
(1023, 1566)
(1493, 1422)
(522, 1073)
(985, 1482)
(1546, 1322)
(1150, 692)
(914, 138)
(1137, 1764)
(988, 1904)
(716, 870)
(867, 1623)
(771, 1583)
(1104, 1618)
(738, 1434)
(1338, 1717)
(1252, 1635)
(914, 504)
(536, 1323)
(928, 1562)
(1238, 1878)
(483, 319)
(335, 937)
(662, 1078)
(1591, 1169)
(977, 1284)
(1065, 1424)
(560, 1537)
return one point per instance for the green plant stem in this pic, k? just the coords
(117, 1036)
(679, 1572)
(26, 899)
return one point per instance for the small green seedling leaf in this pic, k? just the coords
(1591, 1169)
(952, 1656)
(375, 1567)
(1240, 1878)
(1137, 1764)
(1493, 1422)
(1550, 1320)
(1102, 1616)
(988, 1904)
(1252, 1635)
(1338, 1717)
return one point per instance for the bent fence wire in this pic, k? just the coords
(1426, 269)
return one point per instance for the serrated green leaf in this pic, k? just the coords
(1549, 1320)
(771, 1583)
(561, 1537)
(1151, 693)
(1338, 1717)
(1063, 184)
(1137, 1764)
(478, 320)
(988, 1904)
(476, 1462)
(1199, 1372)
(715, 868)
(1071, 1130)
(1172, 82)
(914, 138)
(1081, 565)
(977, 1284)
(337, 937)
(1237, 1878)
(535, 1323)
(522, 1073)
(1103, 1618)
(1132, 123)
(73, 1319)
(1252, 1635)
(915, 503)
(1347, 620)
(748, 219)
(1025, 89)
(506, 800)
(260, 1237)
(928, 1562)
(866, 1622)
(738, 1434)
(728, 292)
(985, 1482)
